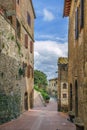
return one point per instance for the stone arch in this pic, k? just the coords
(71, 97)
(64, 86)
(31, 98)
(26, 101)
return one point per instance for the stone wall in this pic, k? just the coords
(16, 59)
(77, 64)
(62, 79)
(53, 87)
(12, 88)
(12, 82)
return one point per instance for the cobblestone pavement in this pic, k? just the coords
(44, 118)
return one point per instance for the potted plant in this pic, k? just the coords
(71, 115)
(79, 124)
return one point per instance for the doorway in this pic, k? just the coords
(76, 98)
(71, 97)
(26, 101)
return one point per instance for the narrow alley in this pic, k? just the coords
(41, 118)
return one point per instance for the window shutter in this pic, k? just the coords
(26, 41)
(28, 71)
(32, 73)
(81, 13)
(31, 46)
(18, 26)
(28, 19)
(76, 24)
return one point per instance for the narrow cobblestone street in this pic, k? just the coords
(44, 118)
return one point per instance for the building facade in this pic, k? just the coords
(76, 10)
(16, 57)
(53, 87)
(62, 84)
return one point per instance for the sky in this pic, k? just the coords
(50, 34)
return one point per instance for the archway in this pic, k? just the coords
(31, 98)
(71, 97)
(26, 101)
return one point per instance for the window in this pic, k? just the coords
(31, 46)
(64, 86)
(26, 41)
(76, 24)
(81, 13)
(10, 19)
(64, 95)
(28, 19)
(18, 1)
(54, 84)
(18, 28)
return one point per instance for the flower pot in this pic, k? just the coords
(47, 101)
(71, 117)
(79, 127)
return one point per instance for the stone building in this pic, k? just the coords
(76, 10)
(53, 87)
(62, 84)
(16, 57)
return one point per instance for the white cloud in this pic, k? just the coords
(51, 37)
(46, 56)
(48, 16)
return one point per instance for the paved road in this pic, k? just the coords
(44, 118)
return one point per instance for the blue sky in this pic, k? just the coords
(51, 34)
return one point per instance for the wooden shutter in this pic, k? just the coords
(26, 41)
(28, 71)
(28, 19)
(81, 13)
(76, 24)
(32, 73)
(18, 29)
(31, 46)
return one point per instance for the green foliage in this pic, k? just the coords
(9, 107)
(21, 71)
(45, 96)
(19, 47)
(43, 93)
(40, 79)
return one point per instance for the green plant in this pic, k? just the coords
(2, 74)
(45, 96)
(3, 45)
(19, 47)
(21, 71)
(12, 37)
(43, 93)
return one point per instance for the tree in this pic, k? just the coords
(40, 78)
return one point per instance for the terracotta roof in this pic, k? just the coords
(63, 60)
(67, 6)
(53, 79)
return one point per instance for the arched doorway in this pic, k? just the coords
(31, 98)
(71, 97)
(26, 101)
(76, 98)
